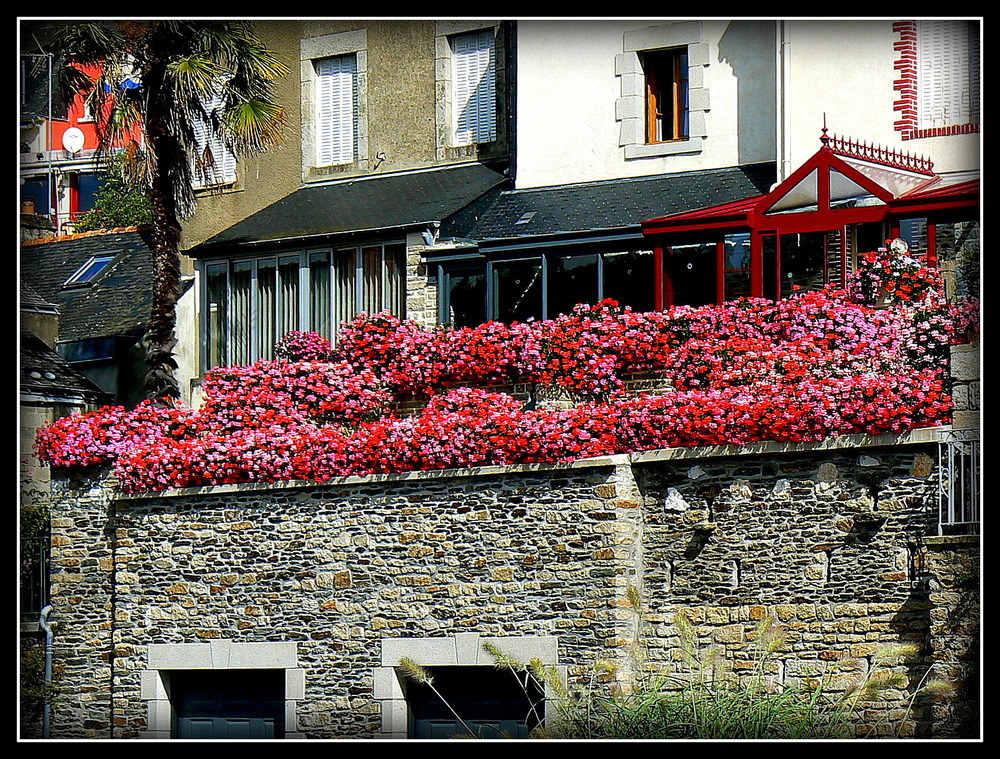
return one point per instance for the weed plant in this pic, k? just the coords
(709, 699)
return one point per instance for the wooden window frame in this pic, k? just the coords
(656, 64)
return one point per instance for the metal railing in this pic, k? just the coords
(959, 491)
(34, 577)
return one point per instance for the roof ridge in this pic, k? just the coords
(79, 235)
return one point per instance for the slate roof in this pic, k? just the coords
(45, 376)
(118, 300)
(32, 301)
(369, 203)
(615, 204)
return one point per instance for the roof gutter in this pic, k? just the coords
(205, 249)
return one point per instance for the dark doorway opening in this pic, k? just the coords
(227, 704)
(489, 703)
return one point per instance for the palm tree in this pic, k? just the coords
(159, 83)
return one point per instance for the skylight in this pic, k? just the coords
(86, 274)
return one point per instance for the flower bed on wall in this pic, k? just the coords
(816, 365)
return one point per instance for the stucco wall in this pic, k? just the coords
(572, 86)
(845, 70)
(828, 540)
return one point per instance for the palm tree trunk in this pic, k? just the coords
(161, 385)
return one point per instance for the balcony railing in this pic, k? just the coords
(959, 492)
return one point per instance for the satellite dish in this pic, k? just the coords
(73, 139)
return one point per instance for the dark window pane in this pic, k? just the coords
(465, 297)
(517, 288)
(242, 330)
(571, 280)
(395, 280)
(770, 256)
(737, 284)
(914, 231)
(87, 186)
(692, 271)
(228, 704)
(319, 293)
(37, 191)
(267, 306)
(346, 283)
(737, 251)
(217, 291)
(629, 279)
(802, 262)
(490, 702)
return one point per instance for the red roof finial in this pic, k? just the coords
(824, 139)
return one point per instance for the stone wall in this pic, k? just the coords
(331, 581)
(965, 389)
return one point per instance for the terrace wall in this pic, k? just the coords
(333, 582)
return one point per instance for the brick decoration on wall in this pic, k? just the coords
(906, 85)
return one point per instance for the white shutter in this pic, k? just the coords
(336, 115)
(474, 87)
(215, 164)
(947, 73)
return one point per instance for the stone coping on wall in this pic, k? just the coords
(914, 437)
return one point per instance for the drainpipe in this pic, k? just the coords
(783, 115)
(44, 622)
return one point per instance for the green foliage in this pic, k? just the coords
(710, 698)
(118, 203)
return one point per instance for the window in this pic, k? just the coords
(666, 95)
(947, 73)
(251, 303)
(215, 163)
(664, 102)
(474, 87)
(226, 689)
(960, 473)
(939, 82)
(87, 273)
(492, 702)
(543, 286)
(336, 110)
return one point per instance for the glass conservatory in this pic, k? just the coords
(810, 229)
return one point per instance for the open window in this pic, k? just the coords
(666, 74)
(90, 271)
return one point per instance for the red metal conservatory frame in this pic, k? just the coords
(894, 187)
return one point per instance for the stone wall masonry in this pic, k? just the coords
(830, 541)
(965, 390)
